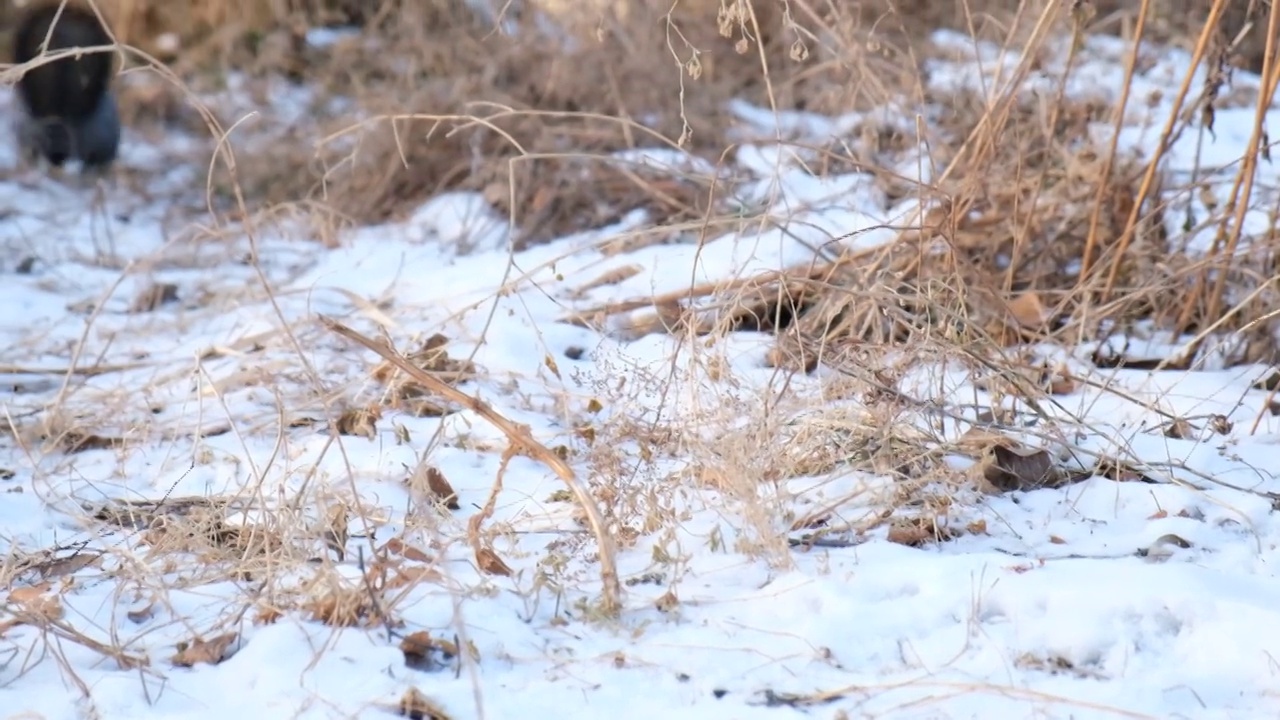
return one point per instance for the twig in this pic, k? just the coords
(520, 437)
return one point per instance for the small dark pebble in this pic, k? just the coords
(573, 352)
(719, 693)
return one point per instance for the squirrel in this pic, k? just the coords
(68, 110)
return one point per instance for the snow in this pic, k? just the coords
(1051, 612)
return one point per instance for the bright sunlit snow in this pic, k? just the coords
(229, 390)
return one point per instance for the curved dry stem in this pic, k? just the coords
(519, 437)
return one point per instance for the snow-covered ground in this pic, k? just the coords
(1098, 599)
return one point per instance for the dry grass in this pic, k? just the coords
(1022, 200)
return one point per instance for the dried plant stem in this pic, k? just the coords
(520, 437)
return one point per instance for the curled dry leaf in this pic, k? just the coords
(490, 563)
(210, 652)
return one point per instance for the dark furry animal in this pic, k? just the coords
(69, 112)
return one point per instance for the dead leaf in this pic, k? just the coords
(1057, 540)
(210, 652)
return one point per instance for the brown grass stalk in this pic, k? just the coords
(520, 437)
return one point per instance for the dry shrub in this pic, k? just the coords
(1243, 27)
(532, 119)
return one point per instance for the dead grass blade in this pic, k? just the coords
(521, 439)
